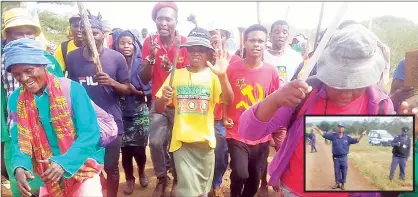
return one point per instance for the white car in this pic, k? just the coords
(380, 137)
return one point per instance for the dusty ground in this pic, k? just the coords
(147, 192)
(320, 171)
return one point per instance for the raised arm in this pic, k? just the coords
(274, 112)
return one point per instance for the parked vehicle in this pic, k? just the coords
(380, 137)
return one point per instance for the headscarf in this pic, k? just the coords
(24, 51)
(115, 35)
(95, 21)
(136, 62)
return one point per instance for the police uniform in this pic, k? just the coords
(401, 150)
(312, 138)
(340, 150)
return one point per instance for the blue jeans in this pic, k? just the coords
(221, 154)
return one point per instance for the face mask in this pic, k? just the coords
(297, 48)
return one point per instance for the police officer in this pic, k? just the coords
(401, 151)
(340, 148)
(312, 138)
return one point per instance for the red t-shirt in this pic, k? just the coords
(159, 75)
(250, 86)
(218, 112)
(293, 177)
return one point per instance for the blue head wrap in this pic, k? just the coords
(95, 21)
(136, 62)
(24, 51)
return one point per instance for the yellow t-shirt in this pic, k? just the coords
(194, 100)
(58, 54)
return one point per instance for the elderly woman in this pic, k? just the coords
(58, 143)
(135, 113)
(349, 71)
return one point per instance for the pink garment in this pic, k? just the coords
(89, 188)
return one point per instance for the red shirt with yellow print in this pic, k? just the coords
(159, 74)
(219, 107)
(250, 86)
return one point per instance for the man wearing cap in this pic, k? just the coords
(198, 89)
(72, 44)
(401, 151)
(159, 54)
(218, 41)
(333, 90)
(340, 148)
(105, 88)
(43, 131)
(18, 23)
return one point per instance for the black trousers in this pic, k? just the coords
(111, 167)
(130, 152)
(247, 164)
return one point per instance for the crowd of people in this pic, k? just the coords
(199, 107)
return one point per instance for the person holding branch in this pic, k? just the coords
(340, 148)
(159, 55)
(194, 93)
(105, 88)
(350, 51)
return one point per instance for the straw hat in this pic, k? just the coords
(17, 17)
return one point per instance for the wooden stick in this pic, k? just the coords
(176, 57)
(90, 39)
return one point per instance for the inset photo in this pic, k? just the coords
(359, 153)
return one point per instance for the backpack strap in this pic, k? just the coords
(65, 85)
(64, 47)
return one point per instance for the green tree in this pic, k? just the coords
(324, 126)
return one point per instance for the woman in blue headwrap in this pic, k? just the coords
(135, 113)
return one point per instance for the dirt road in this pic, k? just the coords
(147, 192)
(320, 171)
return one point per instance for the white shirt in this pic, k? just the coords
(286, 64)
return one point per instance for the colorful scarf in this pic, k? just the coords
(34, 142)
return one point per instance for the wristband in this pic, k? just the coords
(150, 61)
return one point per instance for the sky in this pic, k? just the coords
(301, 15)
(352, 118)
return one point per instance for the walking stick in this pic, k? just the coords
(90, 39)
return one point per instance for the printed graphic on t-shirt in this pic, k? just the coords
(282, 73)
(248, 94)
(89, 80)
(192, 99)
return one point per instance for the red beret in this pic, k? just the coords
(160, 5)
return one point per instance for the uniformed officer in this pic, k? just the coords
(401, 151)
(312, 138)
(340, 149)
